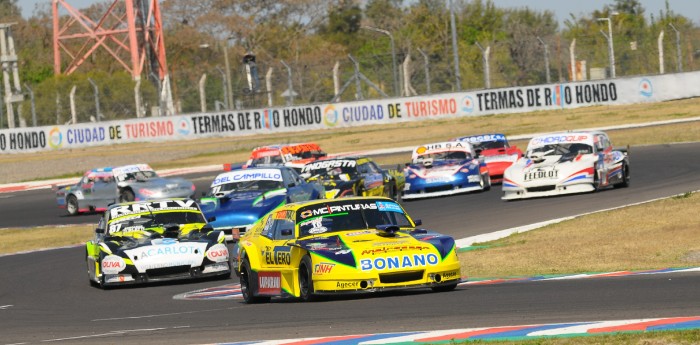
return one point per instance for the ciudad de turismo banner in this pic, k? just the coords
(629, 90)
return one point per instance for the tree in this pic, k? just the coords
(523, 27)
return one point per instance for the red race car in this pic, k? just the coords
(495, 151)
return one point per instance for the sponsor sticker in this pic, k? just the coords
(269, 283)
(113, 264)
(218, 253)
(323, 268)
(540, 175)
(389, 207)
(399, 262)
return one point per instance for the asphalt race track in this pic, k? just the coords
(45, 296)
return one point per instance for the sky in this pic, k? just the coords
(561, 8)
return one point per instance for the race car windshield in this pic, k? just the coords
(246, 186)
(268, 160)
(561, 149)
(333, 172)
(489, 145)
(157, 219)
(349, 216)
(141, 175)
(443, 156)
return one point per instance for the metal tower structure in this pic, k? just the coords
(130, 31)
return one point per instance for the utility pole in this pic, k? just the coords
(455, 54)
(10, 72)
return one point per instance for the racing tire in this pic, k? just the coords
(248, 286)
(596, 180)
(625, 178)
(72, 205)
(306, 283)
(485, 182)
(126, 195)
(444, 288)
(93, 283)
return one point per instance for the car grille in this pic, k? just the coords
(168, 271)
(438, 188)
(402, 277)
(541, 188)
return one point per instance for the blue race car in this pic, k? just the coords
(238, 198)
(444, 168)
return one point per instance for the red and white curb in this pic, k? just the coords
(522, 332)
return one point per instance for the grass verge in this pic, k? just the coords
(15, 240)
(659, 234)
(686, 337)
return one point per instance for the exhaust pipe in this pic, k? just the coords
(364, 284)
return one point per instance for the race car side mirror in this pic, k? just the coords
(418, 222)
(99, 231)
(211, 219)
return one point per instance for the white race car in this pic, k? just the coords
(566, 163)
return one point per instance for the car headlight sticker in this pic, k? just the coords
(113, 264)
(218, 253)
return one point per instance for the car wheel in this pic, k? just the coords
(486, 182)
(596, 180)
(444, 288)
(306, 283)
(248, 285)
(72, 205)
(625, 178)
(126, 196)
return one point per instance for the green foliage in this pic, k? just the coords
(343, 23)
(9, 11)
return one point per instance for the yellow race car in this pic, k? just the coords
(348, 245)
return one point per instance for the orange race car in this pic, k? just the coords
(291, 155)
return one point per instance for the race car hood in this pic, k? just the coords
(61, 190)
(503, 154)
(329, 184)
(241, 208)
(548, 170)
(360, 247)
(146, 253)
(167, 252)
(441, 168)
(160, 183)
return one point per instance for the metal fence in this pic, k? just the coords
(347, 78)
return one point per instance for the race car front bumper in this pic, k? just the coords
(513, 193)
(168, 274)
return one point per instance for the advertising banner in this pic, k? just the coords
(620, 91)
